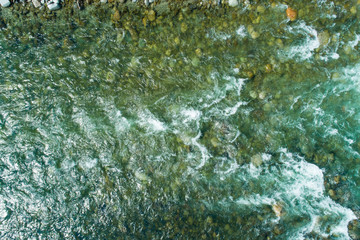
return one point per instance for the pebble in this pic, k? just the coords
(233, 3)
(268, 68)
(267, 107)
(151, 15)
(260, 9)
(116, 16)
(53, 5)
(36, 3)
(183, 27)
(353, 10)
(256, 160)
(195, 62)
(177, 40)
(277, 209)
(252, 32)
(103, 1)
(5, 3)
(335, 75)
(141, 176)
(354, 229)
(347, 49)
(253, 94)
(279, 42)
(324, 38)
(262, 95)
(198, 52)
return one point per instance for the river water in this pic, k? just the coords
(217, 124)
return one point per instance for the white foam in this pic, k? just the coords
(232, 110)
(300, 186)
(190, 115)
(303, 50)
(204, 153)
(225, 167)
(241, 31)
(88, 163)
(215, 35)
(3, 212)
(355, 42)
(121, 124)
(256, 200)
(148, 121)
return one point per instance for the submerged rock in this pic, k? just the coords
(354, 229)
(233, 3)
(183, 27)
(116, 16)
(5, 3)
(277, 209)
(151, 15)
(324, 38)
(36, 3)
(53, 5)
(256, 160)
(252, 32)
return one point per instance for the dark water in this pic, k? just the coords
(235, 124)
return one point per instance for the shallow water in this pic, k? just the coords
(192, 127)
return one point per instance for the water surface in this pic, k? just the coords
(201, 125)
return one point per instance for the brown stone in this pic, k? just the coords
(291, 14)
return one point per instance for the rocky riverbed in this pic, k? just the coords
(173, 119)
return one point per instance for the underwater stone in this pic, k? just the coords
(256, 160)
(195, 62)
(5, 3)
(267, 107)
(347, 49)
(233, 3)
(116, 16)
(268, 68)
(53, 5)
(152, 15)
(103, 1)
(260, 9)
(252, 32)
(353, 10)
(277, 209)
(198, 52)
(324, 38)
(177, 40)
(354, 229)
(253, 94)
(262, 95)
(36, 3)
(183, 27)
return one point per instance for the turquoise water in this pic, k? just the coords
(235, 124)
